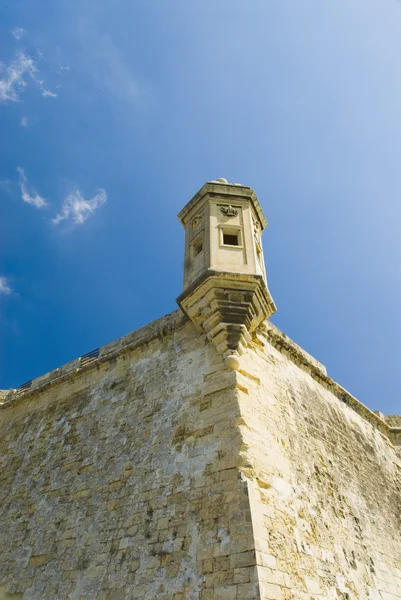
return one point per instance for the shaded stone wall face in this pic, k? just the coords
(324, 487)
(122, 482)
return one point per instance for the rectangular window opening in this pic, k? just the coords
(197, 247)
(230, 239)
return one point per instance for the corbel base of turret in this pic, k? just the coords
(227, 307)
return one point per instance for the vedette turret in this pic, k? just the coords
(225, 288)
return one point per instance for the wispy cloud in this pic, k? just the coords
(13, 79)
(18, 32)
(34, 199)
(48, 94)
(12, 82)
(76, 208)
(108, 65)
(24, 122)
(112, 72)
(62, 69)
(5, 288)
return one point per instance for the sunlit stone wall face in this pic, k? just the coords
(122, 481)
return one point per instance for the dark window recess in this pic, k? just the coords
(230, 239)
(197, 247)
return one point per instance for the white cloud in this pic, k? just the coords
(76, 208)
(5, 288)
(18, 32)
(34, 199)
(12, 82)
(24, 122)
(48, 94)
(13, 78)
(61, 69)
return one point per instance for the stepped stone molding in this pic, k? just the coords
(227, 307)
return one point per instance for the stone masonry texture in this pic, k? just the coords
(154, 472)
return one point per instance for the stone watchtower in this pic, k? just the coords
(225, 288)
(154, 468)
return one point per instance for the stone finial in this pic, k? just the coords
(225, 288)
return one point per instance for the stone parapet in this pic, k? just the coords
(155, 330)
(285, 345)
(389, 425)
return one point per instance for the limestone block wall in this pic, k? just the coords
(119, 481)
(153, 472)
(324, 484)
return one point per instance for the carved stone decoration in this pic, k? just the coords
(256, 226)
(229, 211)
(196, 221)
(228, 307)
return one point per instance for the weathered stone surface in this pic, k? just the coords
(121, 481)
(324, 481)
(154, 472)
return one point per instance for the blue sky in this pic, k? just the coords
(112, 115)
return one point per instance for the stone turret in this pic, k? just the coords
(225, 288)
(144, 470)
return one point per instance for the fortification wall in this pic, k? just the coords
(324, 482)
(119, 481)
(153, 472)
